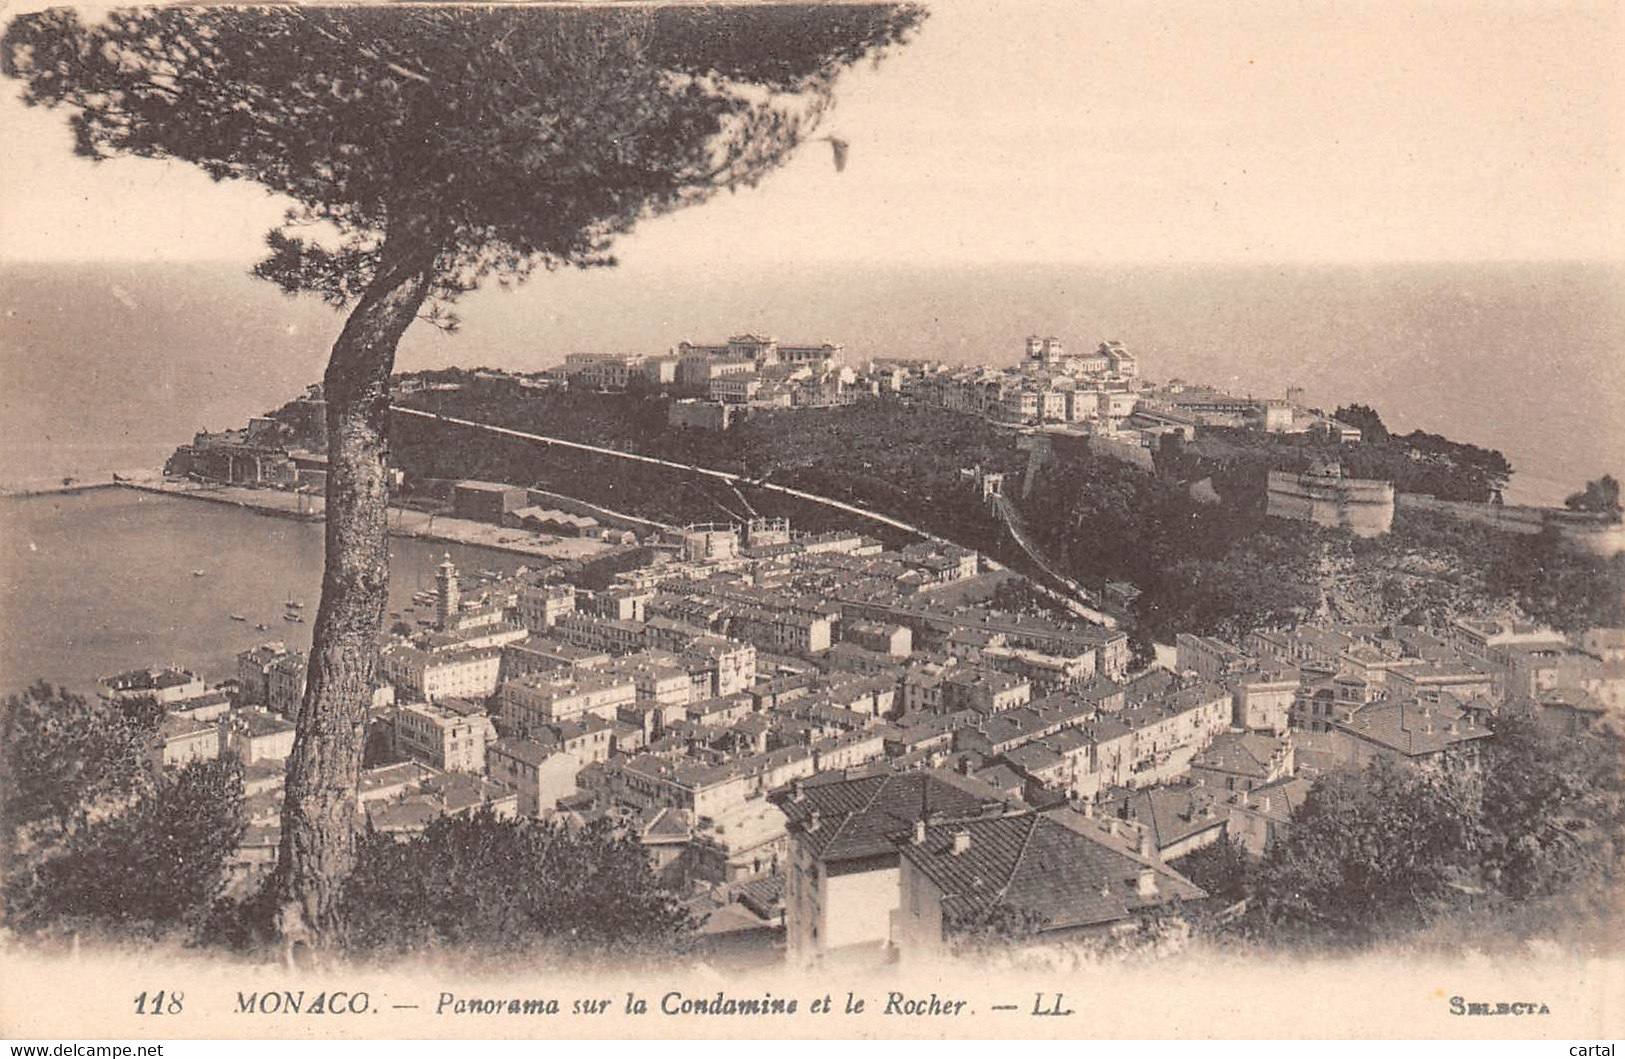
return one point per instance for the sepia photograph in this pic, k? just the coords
(957, 519)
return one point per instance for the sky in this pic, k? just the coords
(1068, 132)
(1067, 167)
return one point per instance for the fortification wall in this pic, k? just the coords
(1602, 539)
(1366, 507)
(1586, 533)
(1126, 451)
(1510, 518)
(1362, 506)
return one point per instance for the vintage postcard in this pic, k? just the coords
(903, 520)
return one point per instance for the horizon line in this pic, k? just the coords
(929, 266)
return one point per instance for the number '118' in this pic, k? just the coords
(161, 1003)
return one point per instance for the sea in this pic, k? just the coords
(108, 366)
(100, 581)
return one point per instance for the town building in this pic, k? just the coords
(546, 655)
(231, 458)
(486, 501)
(254, 671)
(471, 673)
(842, 892)
(1433, 735)
(256, 735)
(541, 776)
(955, 876)
(1262, 816)
(285, 682)
(535, 700)
(183, 740)
(163, 686)
(1262, 699)
(450, 735)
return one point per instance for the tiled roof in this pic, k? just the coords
(1242, 753)
(402, 816)
(175, 726)
(1149, 684)
(1001, 776)
(1174, 813)
(257, 722)
(1027, 721)
(1411, 728)
(1065, 741)
(1277, 801)
(1033, 758)
(1032, 862)
(527, 750)
(665, 825)
(859, 818)
(764, 895)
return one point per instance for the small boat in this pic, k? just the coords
(261, 626)
(198, 573)
(294, 604)
(293, 617)
(238, 617)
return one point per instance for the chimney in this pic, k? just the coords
(919, 832)
(814, 820)
(1266, 803)
(799, 791)
(961, 842)
(1147, 849)
(1146, 883)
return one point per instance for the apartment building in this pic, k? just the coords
(449, 735)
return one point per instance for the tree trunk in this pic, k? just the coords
(319, 807)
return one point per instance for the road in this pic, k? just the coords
(1166, 654)
(1073, 599)
(1076, 593)
(733, 480)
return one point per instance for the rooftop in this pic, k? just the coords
(1035, 863)
(858, 818)
(1412, 728)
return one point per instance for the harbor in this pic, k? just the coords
(311, 507)
(111, 578)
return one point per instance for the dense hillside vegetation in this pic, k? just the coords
(901, 461)
(1225, 568)
(1527, 845)
(1239, 461)
(1214, 568)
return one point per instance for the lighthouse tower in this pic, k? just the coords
(448, 599)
